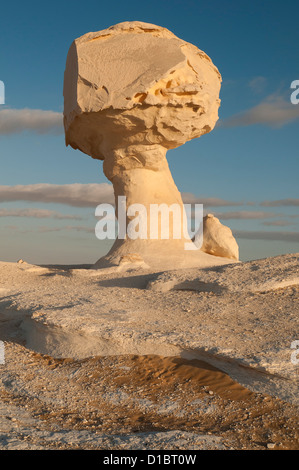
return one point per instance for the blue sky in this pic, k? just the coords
(249, 162)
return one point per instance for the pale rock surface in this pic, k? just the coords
(218, 239)
(241, 317)
(132, 92)
(22, 431)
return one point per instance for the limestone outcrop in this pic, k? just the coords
(218, 239)
(132, 92)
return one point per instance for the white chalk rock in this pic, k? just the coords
(137, 83)
(131, 92)
(218, 239)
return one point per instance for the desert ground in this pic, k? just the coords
(135, 358)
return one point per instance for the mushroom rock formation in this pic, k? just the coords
(218, 239)
(132, 92)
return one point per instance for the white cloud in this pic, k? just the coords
(281, 202)
(278, 223)
(262, 235)
(86, 195)
(275, 111)
(246, 215)
(77, 195)
(70, 228)
(37, 213)
(189, 198)
(13, 121)
(257, 84)
(47, 229)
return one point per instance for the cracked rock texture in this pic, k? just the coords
(145, 85)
